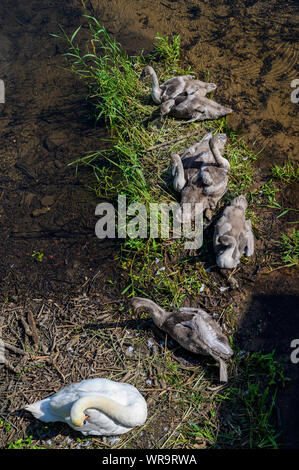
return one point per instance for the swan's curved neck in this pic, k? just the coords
(221, 162)
(179, 180)
(156, 90)
(158, 314)
(125, 415)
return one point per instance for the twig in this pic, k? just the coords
(280, 267)
(14, 349)
(9, 366)
(27, 329)
(33, 328)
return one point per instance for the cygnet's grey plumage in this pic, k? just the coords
(184, 84)
(201, 175)
(233, 235)
(193, 107)
(192, 328)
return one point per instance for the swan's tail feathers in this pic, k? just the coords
(223, 370)
(228, 110)
(42, 410)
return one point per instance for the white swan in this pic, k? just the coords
(94, 406)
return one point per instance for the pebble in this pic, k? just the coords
(41, 211)
(48, 200)
(54, 140)
(58, 164)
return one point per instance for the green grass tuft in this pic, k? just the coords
(289, 248)
(287, 173)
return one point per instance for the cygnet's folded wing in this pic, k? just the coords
(210, 334)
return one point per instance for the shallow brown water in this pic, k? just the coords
(249, 50)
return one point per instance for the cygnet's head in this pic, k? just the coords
(219, 140)
(148, 70)
(211, 87)
(166, 107)
(240, 201)
(158, 313)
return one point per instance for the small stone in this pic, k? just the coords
(28, 199)
(54, 140)
(38, 212)
(48, 200)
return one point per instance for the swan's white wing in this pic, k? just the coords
(58, 406)
(121, 392)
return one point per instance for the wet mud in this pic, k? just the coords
(247, 47)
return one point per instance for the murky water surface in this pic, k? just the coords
(248, 47)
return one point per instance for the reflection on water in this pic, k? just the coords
(248, 47)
